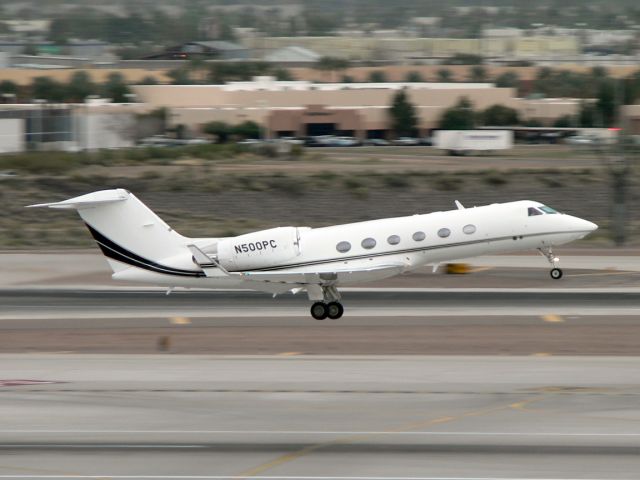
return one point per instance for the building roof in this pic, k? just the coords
(219, 45)
(292, 54)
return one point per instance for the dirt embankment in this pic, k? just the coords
(199, 202)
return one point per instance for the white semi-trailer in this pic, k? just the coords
(463, 142)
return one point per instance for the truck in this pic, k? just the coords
(463, 142)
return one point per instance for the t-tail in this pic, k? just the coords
(130, 234)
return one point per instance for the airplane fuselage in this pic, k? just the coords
(411, 241)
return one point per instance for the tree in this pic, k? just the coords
(500, 115)
(8, 87)
(459, 117)
(508, 80)
(283, 75)
(149, 80)
(565, 121)
(444, 75)
(587, 115)
(404, 120)
(198, 69)
(606, 103)
(179, 76)
(377, 76)
(80, 87)
(220, 130)
(414, 76)
(48, 89)
(115, 88)
(332, 64)
(478, 74)
(246, 129)
(464, 59)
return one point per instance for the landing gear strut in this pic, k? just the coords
(330, 307)
(556, 273)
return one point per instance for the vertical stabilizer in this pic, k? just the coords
(127, 231)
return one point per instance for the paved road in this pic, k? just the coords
(446, 322)
(320, 417)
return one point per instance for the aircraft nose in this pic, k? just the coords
(585, 225)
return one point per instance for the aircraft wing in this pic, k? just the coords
(324, 276)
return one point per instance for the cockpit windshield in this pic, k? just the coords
(542, 210)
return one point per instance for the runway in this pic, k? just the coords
(392, 321)
(418, 417)
(491, 376)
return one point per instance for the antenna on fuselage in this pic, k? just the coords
(459, 205)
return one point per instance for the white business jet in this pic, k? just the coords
(140, 247)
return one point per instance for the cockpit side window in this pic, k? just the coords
(546, 209)
(532, 211)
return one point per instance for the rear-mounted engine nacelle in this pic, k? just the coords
(266, 248)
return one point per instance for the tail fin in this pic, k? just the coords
(127, 231)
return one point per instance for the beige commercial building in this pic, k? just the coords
(304, 108)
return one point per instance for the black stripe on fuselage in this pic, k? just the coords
(121, 254)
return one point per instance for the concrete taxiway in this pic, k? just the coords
(320, 417)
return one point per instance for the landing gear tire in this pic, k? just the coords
(334, 310)
(556, 273)
(319, 311)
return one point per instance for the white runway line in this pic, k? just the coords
(286, 477)
(320, 432)
(240, 312)
(95, 445)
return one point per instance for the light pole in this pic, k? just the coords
(37, 144)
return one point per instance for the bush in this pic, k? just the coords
(396, 181)
(494, 179)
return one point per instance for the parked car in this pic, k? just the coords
(580, 140)
(406, 141)
(345, 142)
(376, 142)
(250, 141)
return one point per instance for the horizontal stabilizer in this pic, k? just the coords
(205, 262)
(89, 200)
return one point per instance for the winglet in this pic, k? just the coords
(459, 205)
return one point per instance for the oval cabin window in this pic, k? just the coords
(419, 236)
(393, 240)
(444, 232)
(368, 243)
(469, 229)
(343, 247)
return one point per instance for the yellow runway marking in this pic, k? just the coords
(541, 354)
(288, 354)
(403, 428)
(180, 320)
(551, 318)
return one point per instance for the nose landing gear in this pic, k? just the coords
(556, 273)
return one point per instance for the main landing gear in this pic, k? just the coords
(556, 273)
(332, 310)
(330, 307)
